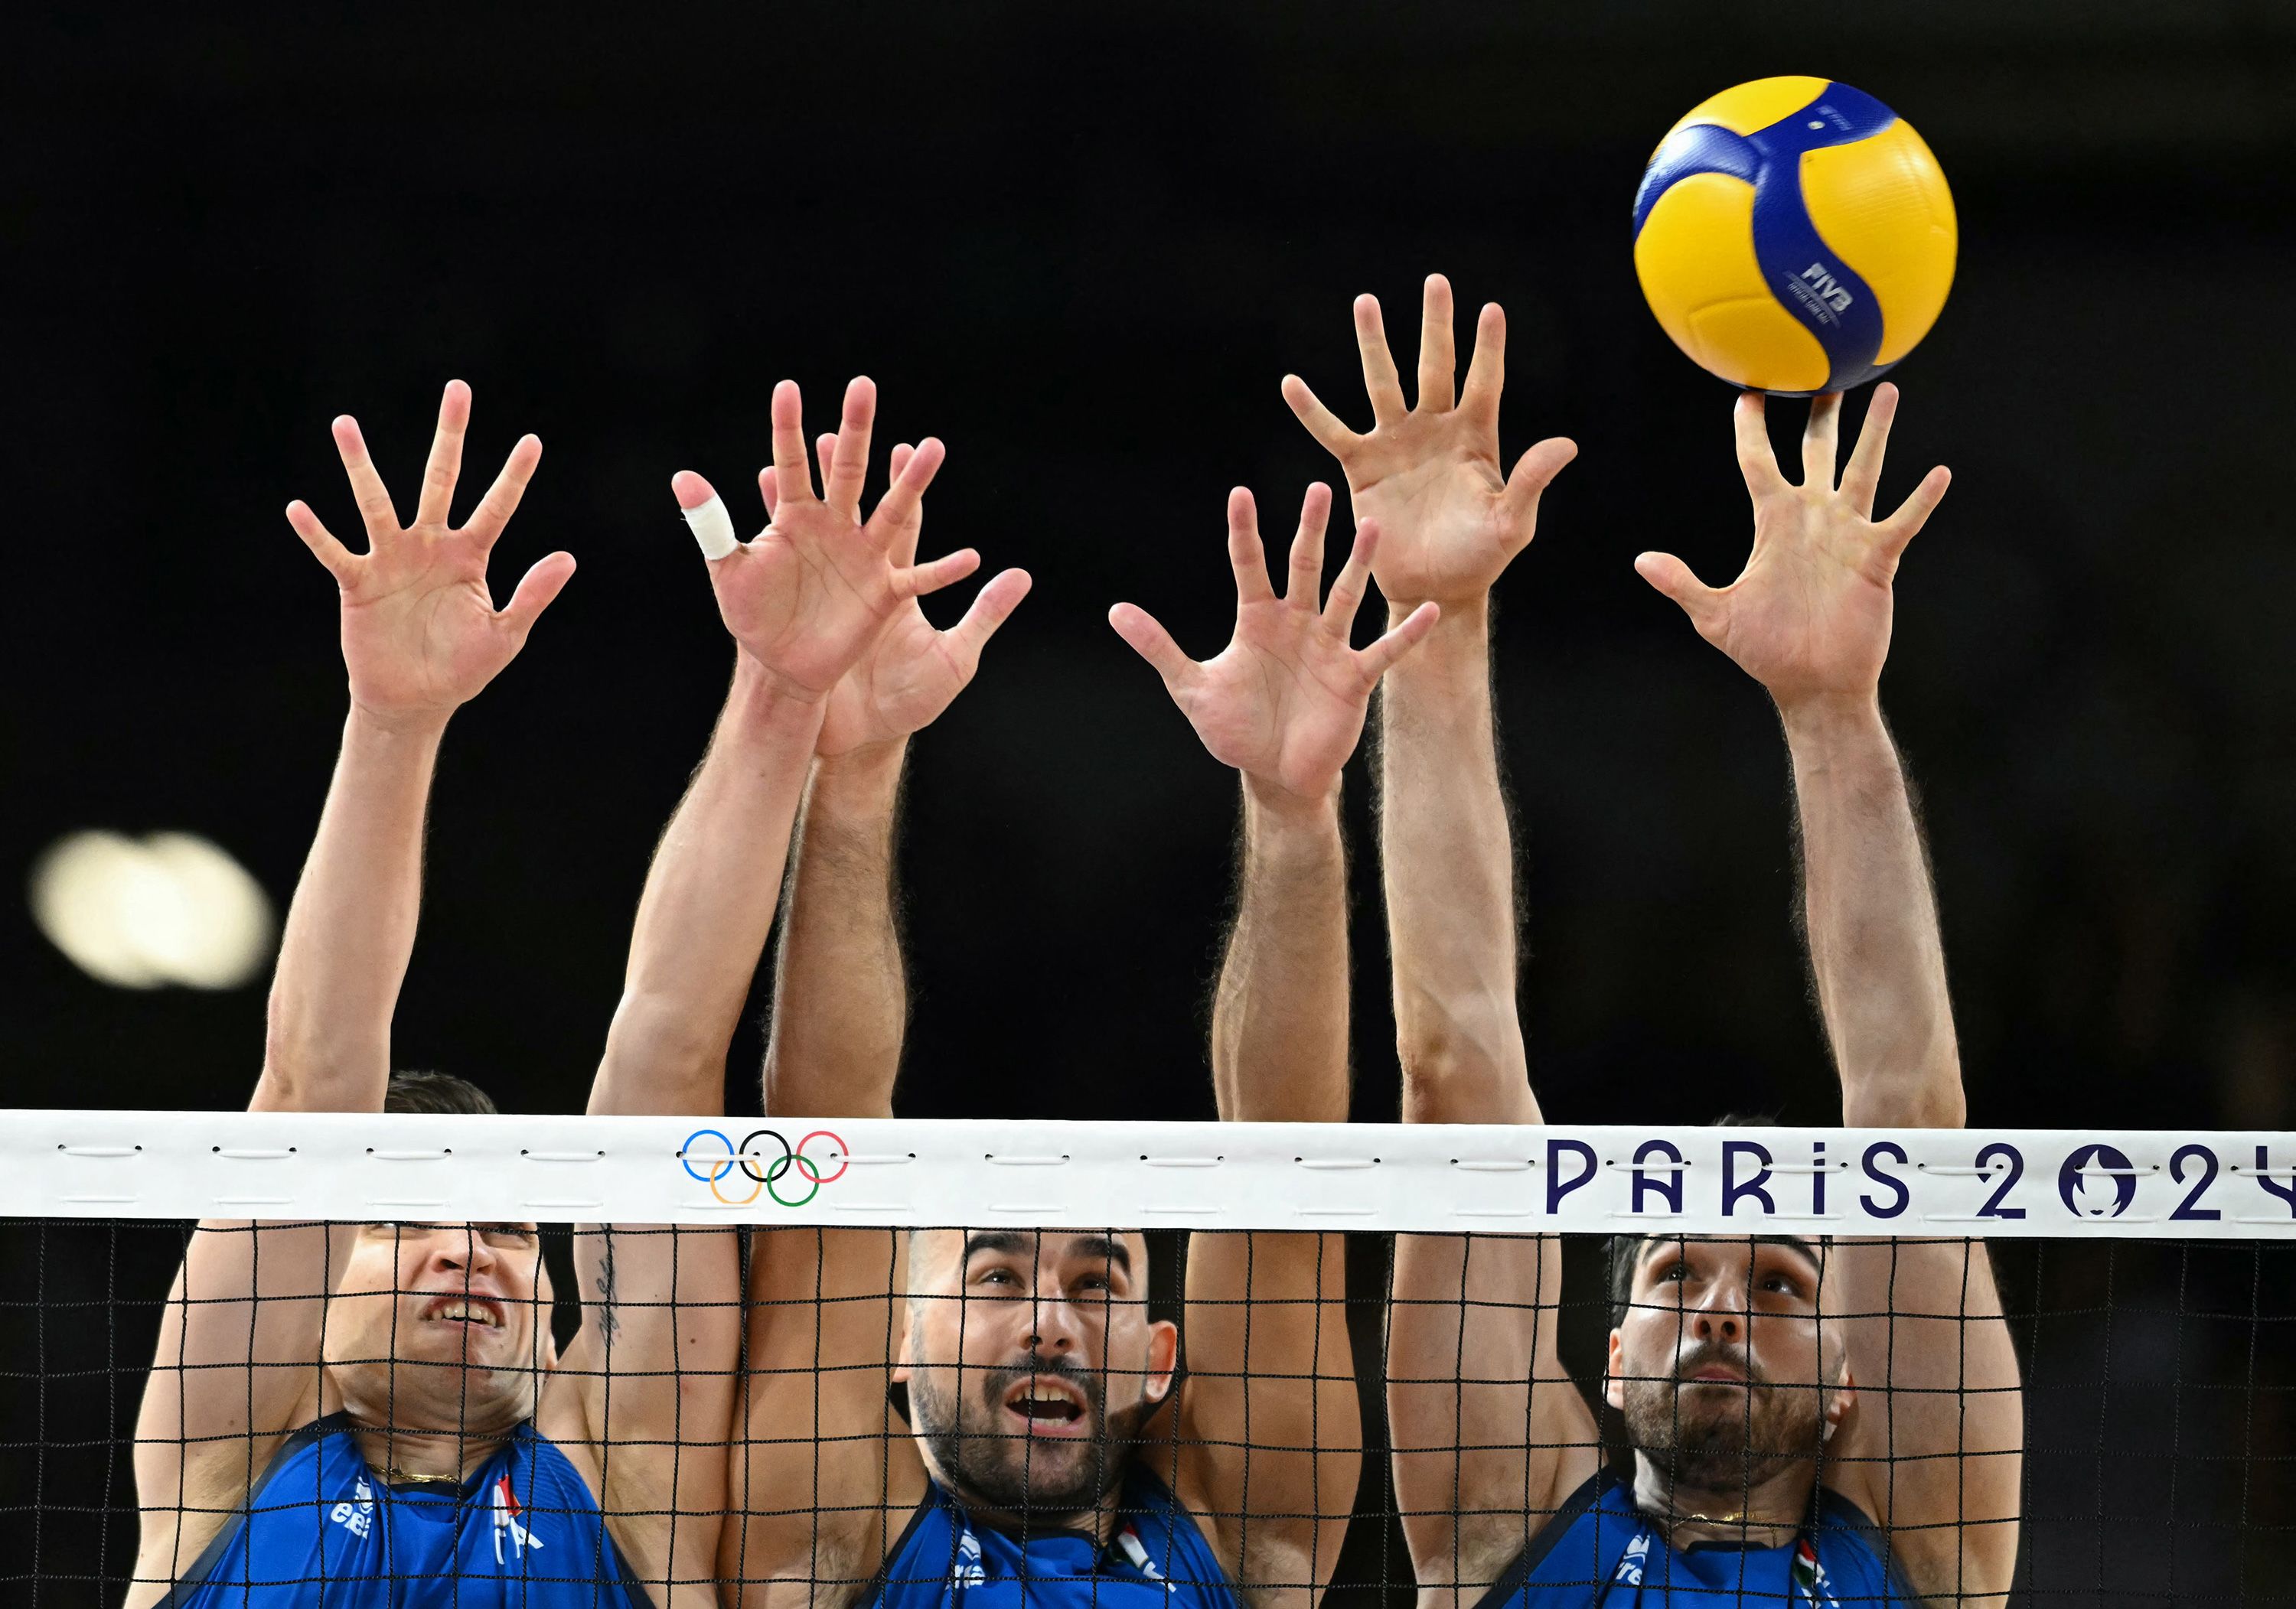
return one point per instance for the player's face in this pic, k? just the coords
(441, 1312)
(1721, 1367)
(1031, 1362)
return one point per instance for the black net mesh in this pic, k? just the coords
(2153, 1433)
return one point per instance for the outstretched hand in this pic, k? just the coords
(1809, 616)
(912, 671)
(1284, 702)
(1430, 475)
(807, 599)
(420, 633)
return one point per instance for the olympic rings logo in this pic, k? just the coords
(764, 1169)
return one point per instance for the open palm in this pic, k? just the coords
(420, 633)
(1809, 616)
(1284, 702)
(1430, 475)
(807, 598)
(913, 671)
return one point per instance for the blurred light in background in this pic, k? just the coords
(169, 909)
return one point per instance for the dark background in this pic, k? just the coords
(1082, 245)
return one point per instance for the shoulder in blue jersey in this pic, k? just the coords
(1600, 1549)
(1157, 1560)
(320, 1525)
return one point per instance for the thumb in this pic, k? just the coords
(1151, 643)
(540, 584)
(1534, 471)
(1671, 576)
(991, 608)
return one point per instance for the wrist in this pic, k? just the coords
(1287, 808)
(1454, 657)
(1828, 717)
(398, 726)
(755, 674)
(1463, 618)
(865, 777)
(768, 705)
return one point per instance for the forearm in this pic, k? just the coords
(1447, 859)
(350, 928)
(1875, 953)
(707, 905)
(841, 999)
(1280, 1013)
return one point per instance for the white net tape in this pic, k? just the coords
(2004, 1183)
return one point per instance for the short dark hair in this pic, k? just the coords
(421, 1089)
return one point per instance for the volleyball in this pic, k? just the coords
(1795, 235)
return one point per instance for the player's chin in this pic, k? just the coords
(1703, 1412)
(463, 1345)
(1059, 1478)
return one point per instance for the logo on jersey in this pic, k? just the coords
(967, 1571)
(1809, 1575)
(510, 1521)
(1629, 1572)
(1129, 1542)
(2072, 1182)
(357, 1516)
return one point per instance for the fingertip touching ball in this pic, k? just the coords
(1795, 235)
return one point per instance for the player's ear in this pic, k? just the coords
(1163, 1358)
(904, 1354)
(1614, 1389)
(1844, 1398)
(912, 1261)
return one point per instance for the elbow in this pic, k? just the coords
(1464, 1061)
(1923, 1098)
(676, 1056)
(1451, 1037)
(310, 1067)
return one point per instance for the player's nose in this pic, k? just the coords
(1722, 1315)
(1054, 1326)
(463, 1250)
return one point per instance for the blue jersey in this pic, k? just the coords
(320, 1527)
(1600, 1549)
(1157, 1560)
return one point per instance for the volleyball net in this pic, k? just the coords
(551, 1360)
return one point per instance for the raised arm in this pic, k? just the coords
(820, 1462)
(1929, 1445)
(841, 1001)
(656, 1357)
(648, 1386)
(420, 637)
(804, 602)
(1489, 1432)
(1270, 1434)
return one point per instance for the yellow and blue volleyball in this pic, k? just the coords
(1795, 235)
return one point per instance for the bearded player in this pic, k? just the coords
(371, 1415)
(1810, 1423)
(1054, 1449)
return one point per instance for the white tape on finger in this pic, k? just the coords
(713, 528)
